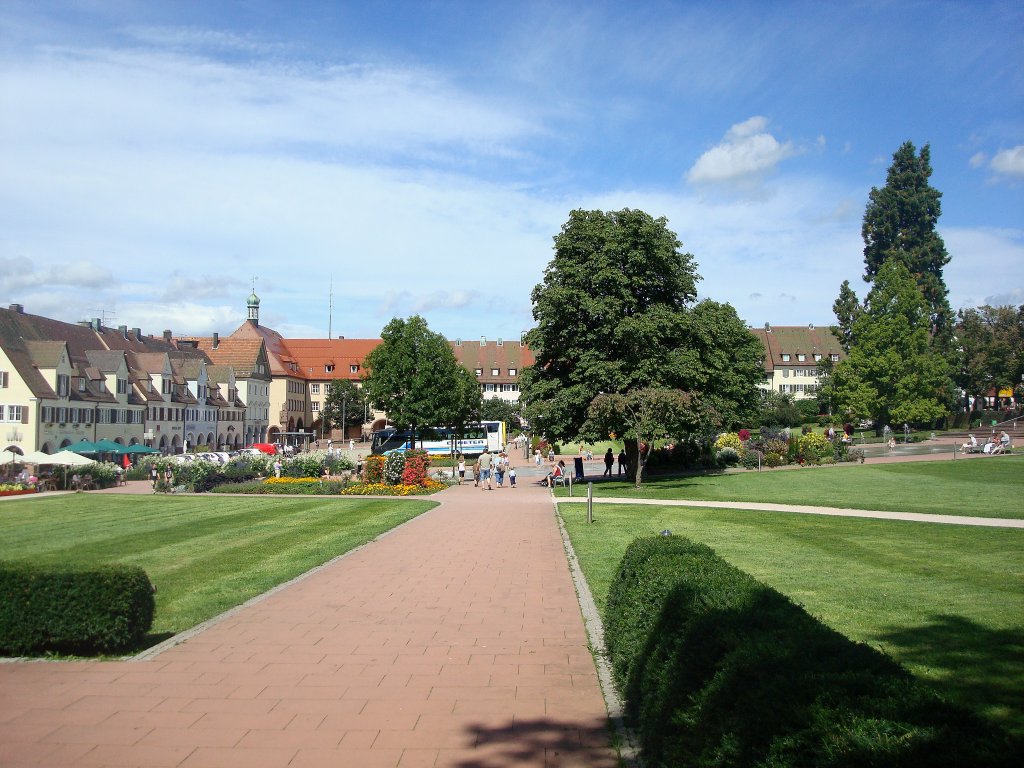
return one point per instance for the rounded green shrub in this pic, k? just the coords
(814, 445)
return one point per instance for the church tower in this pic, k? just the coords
(254, 308)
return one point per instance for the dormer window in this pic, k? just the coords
(122, 386)
(513, 371)
(353, 369)
(329, 368)
(63, 384)
(785, 358)
(801, 358)
(479, 371)
(817, 358)
(834, 357)
(81, 384)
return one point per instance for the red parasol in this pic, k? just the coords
(126, 462)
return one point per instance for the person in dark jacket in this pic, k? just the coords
(609, 462)
(623, 463)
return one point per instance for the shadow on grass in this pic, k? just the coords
(979, 667)
(541, 741)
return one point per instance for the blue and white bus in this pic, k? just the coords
(441, 441)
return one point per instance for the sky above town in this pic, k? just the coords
(358, 161)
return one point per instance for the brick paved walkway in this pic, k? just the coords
(457, 640)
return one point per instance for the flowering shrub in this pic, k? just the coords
(776, 446)
(417, 463)
(373, 470)
(286, 480)
(744, 435)
(730, 440)
(772, 459)
(394, 464)
(815, 446)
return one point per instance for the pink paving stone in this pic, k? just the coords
(457, 638)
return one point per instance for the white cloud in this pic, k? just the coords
(978, 159)
(1009, 162)
(745, 155)
(985, 265)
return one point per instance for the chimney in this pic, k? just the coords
(17, 308)
(96, 323)
(216, 339)
(137, 333)
(123, 329)
(167, 336)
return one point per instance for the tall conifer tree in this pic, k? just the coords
(899, 223)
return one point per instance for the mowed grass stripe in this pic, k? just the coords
(947, 601)
(203, 554)
(981, 487)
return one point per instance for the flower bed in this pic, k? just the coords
(383, 489)
(16, 491)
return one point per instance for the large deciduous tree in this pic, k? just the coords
(413, 376)
(892, 374)
(613, 317)
(900, 223)
(990, 350)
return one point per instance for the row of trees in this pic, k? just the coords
(908, 355)
(623, 349)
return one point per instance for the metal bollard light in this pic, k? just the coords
(590, 502)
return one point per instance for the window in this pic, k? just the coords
(3, 380)
(329, 368)
(13, 412)
(479, 371)
(495, 372)
(785, 373)
(122, 386)
(353, 369)
(834, 357)
(81, 383)
(513, 371)
(63, 384)
(314, 388)
(62, 415)
(165, 386)
(316, 406)
(785, 358)
(817, 358)
(801, 358)
(489, 388)
(500, 342)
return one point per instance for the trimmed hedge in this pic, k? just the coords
(106, 609)
(718, 669)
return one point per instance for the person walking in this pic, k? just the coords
(462, 468)
(623, 469)
(154, 475)
(485, 469)
(277, 468)
(609, 462)
(512, 477)
(476, 472)
(499, 470)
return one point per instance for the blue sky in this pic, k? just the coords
(418, 157)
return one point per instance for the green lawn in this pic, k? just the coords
(947, 601)
(203, 554)
(984, 487)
